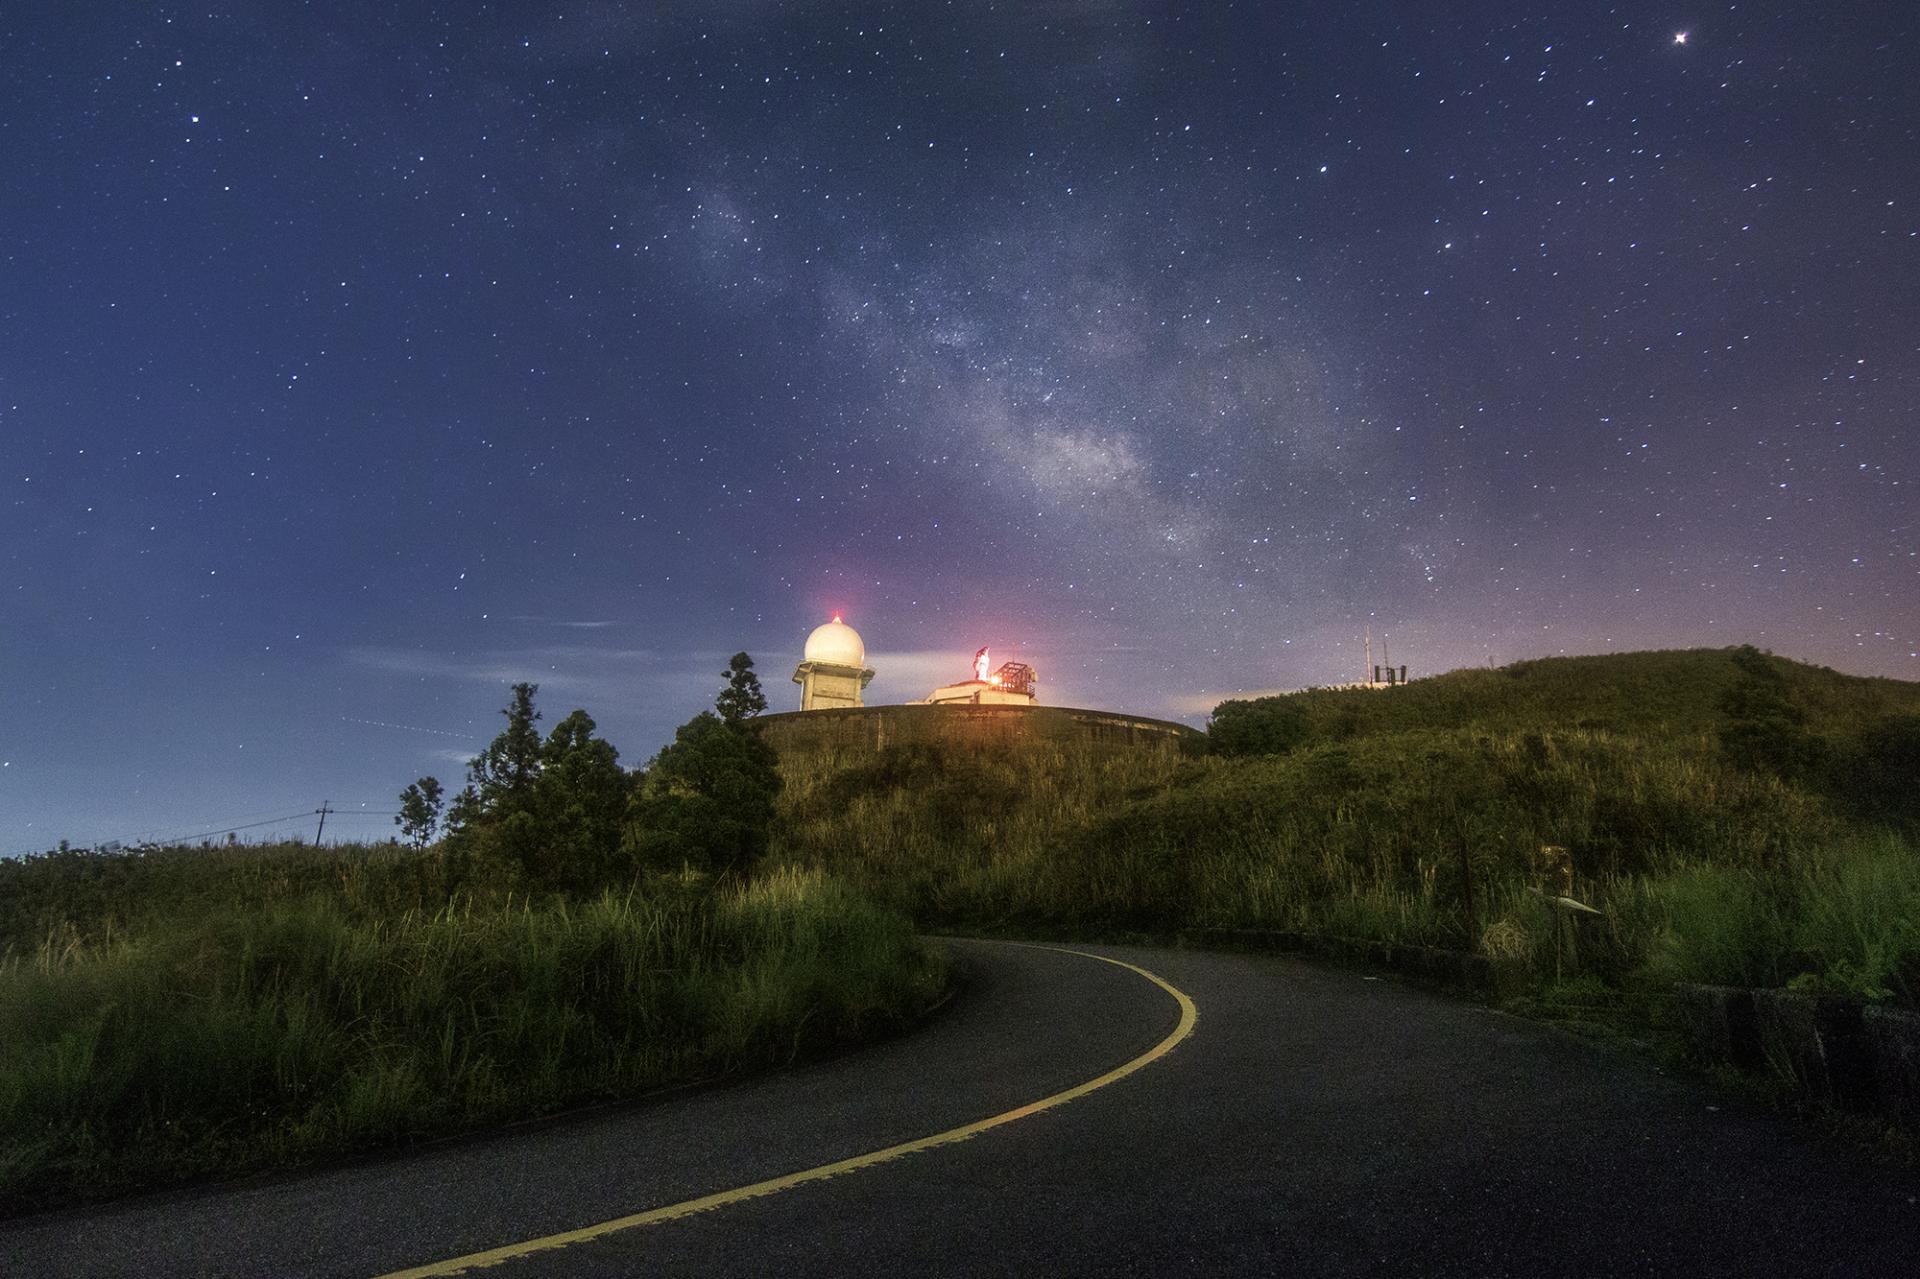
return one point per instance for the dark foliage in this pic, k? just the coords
(707, 800)
(742, 698)
(1264, 726)
(419, 815)
(1880, 772)
(1764, 729)
(81, 893)
(498, 778)
(548, 812)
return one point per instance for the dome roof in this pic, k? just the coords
(836, 644)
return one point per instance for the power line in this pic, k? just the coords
(238, 823)
(175, 838)
(224, 830)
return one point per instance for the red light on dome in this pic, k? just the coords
(836, 618)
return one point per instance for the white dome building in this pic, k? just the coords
(836, 644)
(833, 671)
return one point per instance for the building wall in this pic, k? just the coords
(824, 686)
(978, 693)
(870, 728)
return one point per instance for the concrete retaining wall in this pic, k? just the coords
(1428, 963)
(1835, 1052)
(1893, 1043)
(1720, 1022)
(862, 729)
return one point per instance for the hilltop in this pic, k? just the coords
(1735, 816)
(1670, 691)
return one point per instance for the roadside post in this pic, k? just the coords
(1553, 881)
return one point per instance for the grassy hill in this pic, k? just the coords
(1736, 817)
(1664, 692)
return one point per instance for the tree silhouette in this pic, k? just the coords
(742, 698)
(707, 799)
(500, 778)
(419, 813)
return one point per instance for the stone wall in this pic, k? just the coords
(1833, 1051)
(870, 728)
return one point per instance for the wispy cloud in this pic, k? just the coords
(573, 669)
(1202, 703)
(911, 675)
(534, 620)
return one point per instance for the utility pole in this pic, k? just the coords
(323, 810)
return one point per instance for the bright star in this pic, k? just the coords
(1679, 37)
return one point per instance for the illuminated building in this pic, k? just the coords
(1012, 685)
(834, 670)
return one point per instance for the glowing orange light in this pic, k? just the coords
(994, 680)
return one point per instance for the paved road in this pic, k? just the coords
(1315, 1122)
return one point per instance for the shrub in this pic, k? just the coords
(1721, 926)
(1264, 726)
(707, 800)
(1883, 771)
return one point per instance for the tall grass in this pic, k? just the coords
(1844, 918)
(1702, 870)
(96, 892)
(248, 1038)
(1085, 837)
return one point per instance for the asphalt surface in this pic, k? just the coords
(1316, 1122)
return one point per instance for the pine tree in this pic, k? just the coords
(503, 774)
(706, 800)
(419, 813)
(742, 698)
(579, 803)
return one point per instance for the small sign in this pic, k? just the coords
(1553, 870)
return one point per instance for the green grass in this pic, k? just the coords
(246, 1036)
(185, 1011)
(1414, 816)
(1844, 918)
(94, 893)
(1638, 693)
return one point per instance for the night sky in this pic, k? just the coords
(357, 360)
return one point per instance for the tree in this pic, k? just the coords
(742, 698)
(549, 812)
(707, 799)
(1264, 726)
(505, 771)
(579, 804)
(499, 782)
(419, 813)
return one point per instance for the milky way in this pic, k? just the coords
(355, 362)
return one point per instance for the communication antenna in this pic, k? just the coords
(1367, 672)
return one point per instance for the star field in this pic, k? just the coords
(357, 360)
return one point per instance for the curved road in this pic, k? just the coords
(1314, 1122)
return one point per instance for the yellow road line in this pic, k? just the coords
(1189, 1015)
